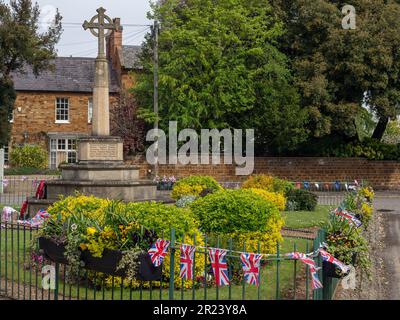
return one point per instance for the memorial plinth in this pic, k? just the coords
(100, 149)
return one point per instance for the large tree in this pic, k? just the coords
(337, 70)
(126, 124)
(22, 44)
(220, 68)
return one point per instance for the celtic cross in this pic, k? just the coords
(102, 23)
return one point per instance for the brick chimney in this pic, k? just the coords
(114, 48)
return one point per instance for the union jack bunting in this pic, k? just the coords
(251, 267)
(219, 266)
(326, 256)
(344, 214)
(158, 251)
(315, 283)
(187, 256)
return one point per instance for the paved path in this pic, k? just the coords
(389, 207)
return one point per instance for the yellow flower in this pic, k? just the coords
(91, 231)
(83, 246)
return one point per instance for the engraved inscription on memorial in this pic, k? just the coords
(103, 151)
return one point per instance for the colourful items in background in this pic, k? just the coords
(36, 221)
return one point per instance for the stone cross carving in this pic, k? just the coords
(101, 26)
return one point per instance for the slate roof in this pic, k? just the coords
(70, 74)
(130, 56)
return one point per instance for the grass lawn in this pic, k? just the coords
(307, 219)
(12, 262)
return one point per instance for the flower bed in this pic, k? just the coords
(345, 236)
(113, 238)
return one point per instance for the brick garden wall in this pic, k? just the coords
(381, 174)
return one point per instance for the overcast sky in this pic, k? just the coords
(80, 43)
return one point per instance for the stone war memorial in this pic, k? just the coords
(100, 170)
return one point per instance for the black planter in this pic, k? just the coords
(53, 251)
(332, 271)
(147, 271)
(109, 262)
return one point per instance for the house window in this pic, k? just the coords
(11, 116)
(63, 150)
(5, 154)
(90, 110)
(62, 110)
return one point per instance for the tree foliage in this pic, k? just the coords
(339, 70)
(220, 68)
(126, 124)
(21, 44)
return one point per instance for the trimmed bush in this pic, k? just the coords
(240, 214)
(268, 183)
(28, 156)
(275, 198)
(301, 200)
(194, 186)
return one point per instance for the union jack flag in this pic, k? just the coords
(251, 267)
(326, 256)
(187, 256)
(315, 283)
(344, 214)
(219, 266)
(158, 251)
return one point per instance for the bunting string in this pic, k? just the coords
(250, 262)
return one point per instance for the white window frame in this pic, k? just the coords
(6, 154)
(11, 120)
(54, 150)
(90, 110)
(68, 111)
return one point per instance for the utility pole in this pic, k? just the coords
(156, 125)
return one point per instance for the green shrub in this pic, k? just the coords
(301, 200)
(194, 186)
(28, 156)
(242, 215)
(162, 218)
(268, 183)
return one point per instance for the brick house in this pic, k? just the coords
(55, 108)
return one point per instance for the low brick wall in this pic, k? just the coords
(382, 175)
